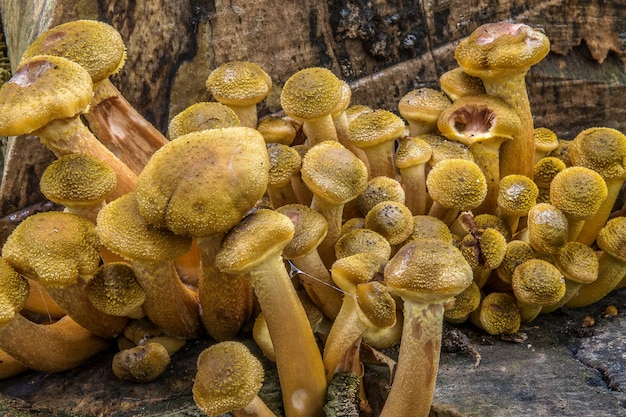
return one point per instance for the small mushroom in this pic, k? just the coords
(497, 314)
(421, 108)
(517, 195)
(143, 363)
(114, 290)
(411, 160)
(545, 142)
(392, 220)
(536, 283)
(202, 116)
(277, 130)
(285, 163)
(377, 190)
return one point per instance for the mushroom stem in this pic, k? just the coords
(346, 329)
(121, 128)
(418, 360)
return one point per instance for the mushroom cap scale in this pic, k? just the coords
(54, 248)
(428, 270)
(14, 291)
(95, 45)
(239, 83)
(204, 182)
(43, 88)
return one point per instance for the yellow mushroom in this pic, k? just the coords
(411, 160)
(456, 83)
(202, 116)
(421, 108)
(536, 283)
(517, 195)
(498, 313)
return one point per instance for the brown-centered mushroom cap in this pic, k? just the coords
(95, 45)
(43, 88)
(202, 116)
(54, 248)
(204, 182)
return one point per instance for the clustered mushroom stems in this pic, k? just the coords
(458, 209)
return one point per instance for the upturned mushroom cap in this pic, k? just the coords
(538, 282)
(457, 183)
(496, 48)
(77, 180)
(43, 88)
(239, 83)
(14, 291)
(114, 289)
(428, 270)
(125, 232)
(310, 229)
(256, 237)
(96, 46)
(204, 182)
(375, 127)
(311, 93)
(229, 376)
(578, 192)
(202, 116)
(472, 119)
(333, 173)
(53, 248)
(423, 106)
(456, 83)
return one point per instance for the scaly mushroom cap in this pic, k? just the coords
(377, 190)
(496, 48)
(601, 149)
(377, 307)
(311, 93)
(310, 229)
(344, 101)
(204, 182)
(578, 192)
(546, 169)
(392, 220)
(412, 151)
(43, 88)
(363, 240)
(77, 179)
(124, 231)
(239, 83)
(333, 172)
(517, 195)
(53, 248)
(428, 270)
(547, 228)
(430, 227)
(464, 304)
(517, 252)
(228, 378)
(423, 104)
(487, 220)
(96, 46)
(375, 127)
(457, 183)
(285, 162)
(14, 291)
(443, 148)
(202, 116)
(350, 271)
(277, 130)
(492, 248)
(538, 282)
(261, 234)
(545, 139)
(473, 119)
(114, 290)
(499, 314)
(142, 363)
(612, 238)
(578, 262)
(456, 83)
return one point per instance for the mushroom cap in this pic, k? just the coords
(538, 282)
(14, 291)
(601, 149)
(464, 303)
(201, 116)
(499, 314)
(344, 101)
(285, 162)
(124, 231)
(425, 226)
(472, 119)
(412, 152)
(456, 83)
(333, 173)
(457, 183)
(260, 235)
(43, 88)
(229, 377)
(96, 46)
(578, 192)
(377, 190)
(443, 148)
(492, 248)
(612, 238)
(362, 240)
(517, 195)
(517, 252)
(239, 83)
(488, 220)
(377, 307)
(350, 271)
(423, 104)
(546, 169)
(375, 127)
(427, 270)
(545, 139)
(310, 229)
(578, 262)
(204, 182)
(77, 180)
(277, 130)
(547, 228)
(311, 93)
(114, 290)
(143, 363)
(391, 219)
(54, 248)
(502, 47)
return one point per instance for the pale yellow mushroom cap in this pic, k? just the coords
(362, 240)
(457, 183)
(578, 262)
(499, 314)
(430, 227)
(612, 238)
(54, 248)
(96, 46)
(494, 48)
(517, 252)
(204, 182)
(239, 83)
(13, 292)
(375, 127)
(202, 116)
(423, 104)
(310, 229)
(601, 149)
(311, 93)
(277, 130)
(578, 192)
(412, 151)
(545, 139)
(42, 89)
(443, 148)
(350, 271)
(229, 376)
(538, 282)
(77, 179)
(427, 270)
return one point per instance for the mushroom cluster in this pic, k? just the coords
(328, 225)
